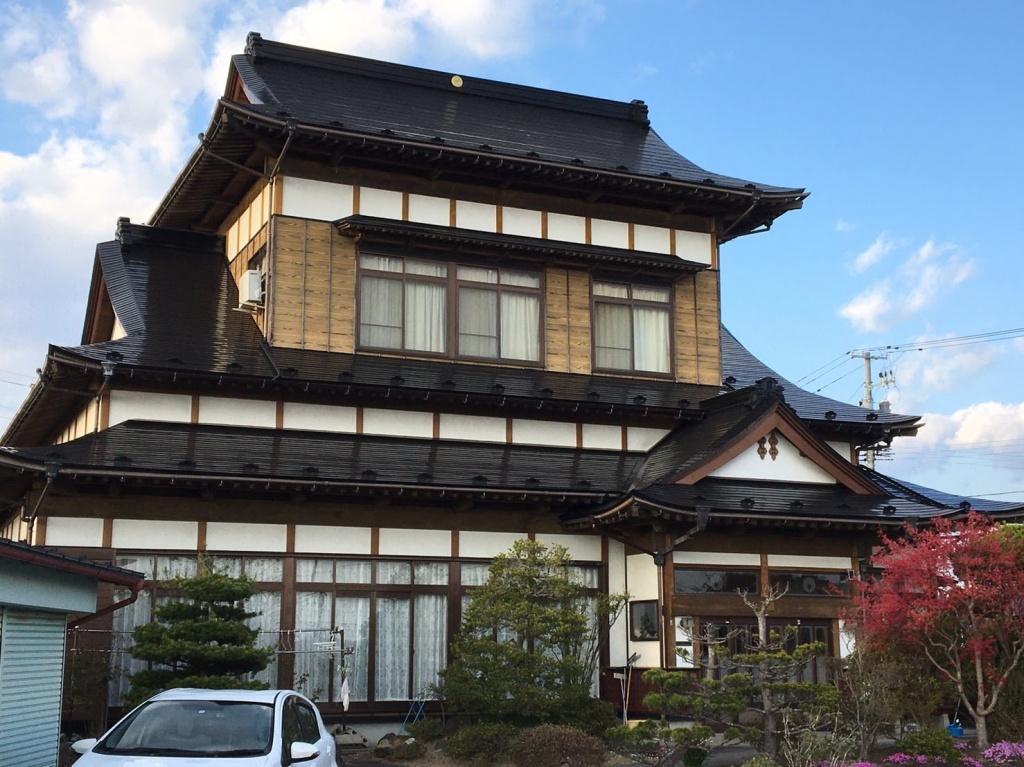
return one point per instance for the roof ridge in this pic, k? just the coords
(634, 111)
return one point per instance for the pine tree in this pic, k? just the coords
(201, 641)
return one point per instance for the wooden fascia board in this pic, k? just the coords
(784, 421)
(97, 293)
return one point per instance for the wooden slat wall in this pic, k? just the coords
(313, 290)
(579, 323)
(709, 341)
(556, 328)
(313, 286)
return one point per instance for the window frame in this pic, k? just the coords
(634, 607)
(452, 284)
(632, 304)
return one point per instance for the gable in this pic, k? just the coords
(774, 458)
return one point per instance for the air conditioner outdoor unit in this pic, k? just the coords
(250, 289)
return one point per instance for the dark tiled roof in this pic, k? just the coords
(949, 500)
(740, 369)
(408, 120)
(410, 236)
(732, 498)
(375, 97)
(273, 455)
(56, 560)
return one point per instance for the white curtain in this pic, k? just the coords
(312, 626)
(314, 570)
(425, 316)
(612, 336)
(478, 322)
(352, 615)
(267, 605)
(380, 313)
(520, 326)
(429, 642)
(392, 649)
(650, 339)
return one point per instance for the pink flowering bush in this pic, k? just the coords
(1004, 752)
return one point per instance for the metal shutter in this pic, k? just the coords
(31, 671)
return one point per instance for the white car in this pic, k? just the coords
(227, 728)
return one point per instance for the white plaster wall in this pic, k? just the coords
(228, 411)
(305, 198)
(476, 215)
(154, 534)
(609, 234)
(653, 239)
(693, 246)
(799, 562)
(641, 576)
(429, 210)
(231, 536)
(642, 583)
(582, 548)
(521, 222)
(398, 423)
(602, 436)
(382, 203)
(72, 531)
(128, 405)
(299, 415)
(788, 466)
(415, 543)
(526, 432)
(638, 438)
(477, 544)
(843, 448)
(723, 558)
(567, 228)
(324, 539)
(618, 634)
(472, 427)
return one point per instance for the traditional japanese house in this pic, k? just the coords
(387, 321)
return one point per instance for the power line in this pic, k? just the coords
(938, 343)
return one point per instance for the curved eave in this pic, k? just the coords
(741, 210)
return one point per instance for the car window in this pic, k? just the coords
(193, 727)
(291, 729)
(307, 721)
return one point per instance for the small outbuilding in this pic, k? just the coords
(39, 589)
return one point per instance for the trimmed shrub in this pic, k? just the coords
(930, 742)
(761, 761)
(406, 751)
(593, 716)
(427, 730)
(552, 745)
(482, 743)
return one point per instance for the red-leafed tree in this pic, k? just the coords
(955, 592)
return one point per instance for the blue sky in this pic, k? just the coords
(903, 120)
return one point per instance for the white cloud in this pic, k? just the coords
(843, 225)
(921, 374)
(879, 249)
(925, 276)
(994, 427)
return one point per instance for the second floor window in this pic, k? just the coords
(446, 309)
(631, 327)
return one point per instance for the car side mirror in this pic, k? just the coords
(302, 752)
(81, 746)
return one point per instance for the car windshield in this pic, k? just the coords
(193, 727)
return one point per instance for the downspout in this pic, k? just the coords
(268, 317)
(52, 470)
(743, 215)
(135, 587)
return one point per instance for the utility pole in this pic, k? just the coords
(885, 379)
